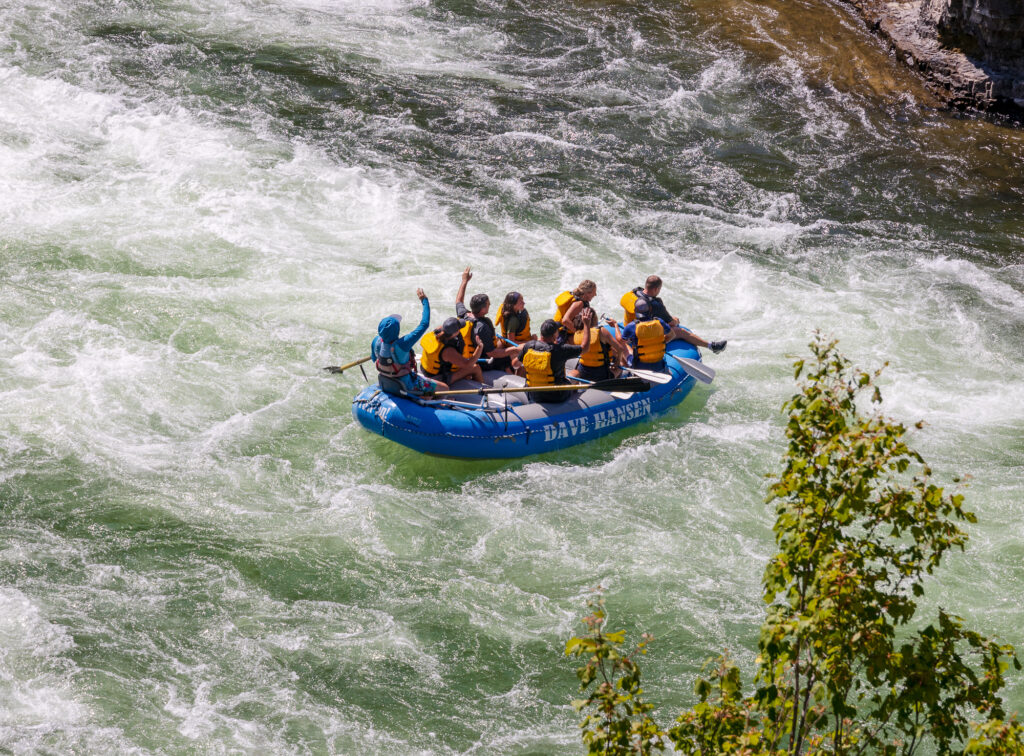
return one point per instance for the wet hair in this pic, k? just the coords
(478, 302)
(548, 328)
(586, 287)
(653, 282)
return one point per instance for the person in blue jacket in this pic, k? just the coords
(394, 357)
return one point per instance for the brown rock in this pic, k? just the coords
(971, 52)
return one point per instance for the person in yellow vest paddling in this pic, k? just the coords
(544, 361)
(648, 334)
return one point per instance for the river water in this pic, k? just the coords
(203, 203)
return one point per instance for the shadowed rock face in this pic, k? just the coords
(991, 29)
(971, 51)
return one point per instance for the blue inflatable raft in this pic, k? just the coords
(499, 426)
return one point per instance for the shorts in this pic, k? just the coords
(423, 385)
(587, 373)
(657, 367)
(499, 363)
(414, 384)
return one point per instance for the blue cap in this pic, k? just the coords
(387, 328)
(641, 309)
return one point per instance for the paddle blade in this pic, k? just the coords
(697, 369)
(650, 375)
(630, 385)
(334, 369)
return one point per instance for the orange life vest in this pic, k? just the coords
(468, 342)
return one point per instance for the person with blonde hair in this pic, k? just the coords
(572, 305)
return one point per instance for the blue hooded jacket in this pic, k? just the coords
(387, 332)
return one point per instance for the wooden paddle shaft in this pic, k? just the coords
(511, 389)
(353, 364)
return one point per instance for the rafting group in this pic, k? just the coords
(458, 349)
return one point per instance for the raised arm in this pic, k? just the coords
(585, 344)
(460, 298)
(409, 340)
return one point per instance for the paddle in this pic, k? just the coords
(616, 394)
(649, 375)
(343, 368)
(631, 385)
(698, 370)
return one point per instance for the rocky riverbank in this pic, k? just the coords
(971, 52)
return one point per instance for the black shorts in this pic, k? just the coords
(601, 373)
(500, 363)
(444, 376)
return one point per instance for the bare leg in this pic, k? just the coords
(438, 386)
(688, 336)
(470, 371)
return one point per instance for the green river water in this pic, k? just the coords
(203, 203)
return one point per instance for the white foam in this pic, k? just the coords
(36, 677)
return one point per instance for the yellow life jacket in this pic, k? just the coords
(468, 344)
(628, 303)
(650, 341)
(538, 368)
(519, 336)
(431, 362)
(562, 302)
(597, 354)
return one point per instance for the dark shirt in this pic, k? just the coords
(658, 308)
(515, 322)
(560, 353)
(482, 327)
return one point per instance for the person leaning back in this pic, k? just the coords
(647, 335)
